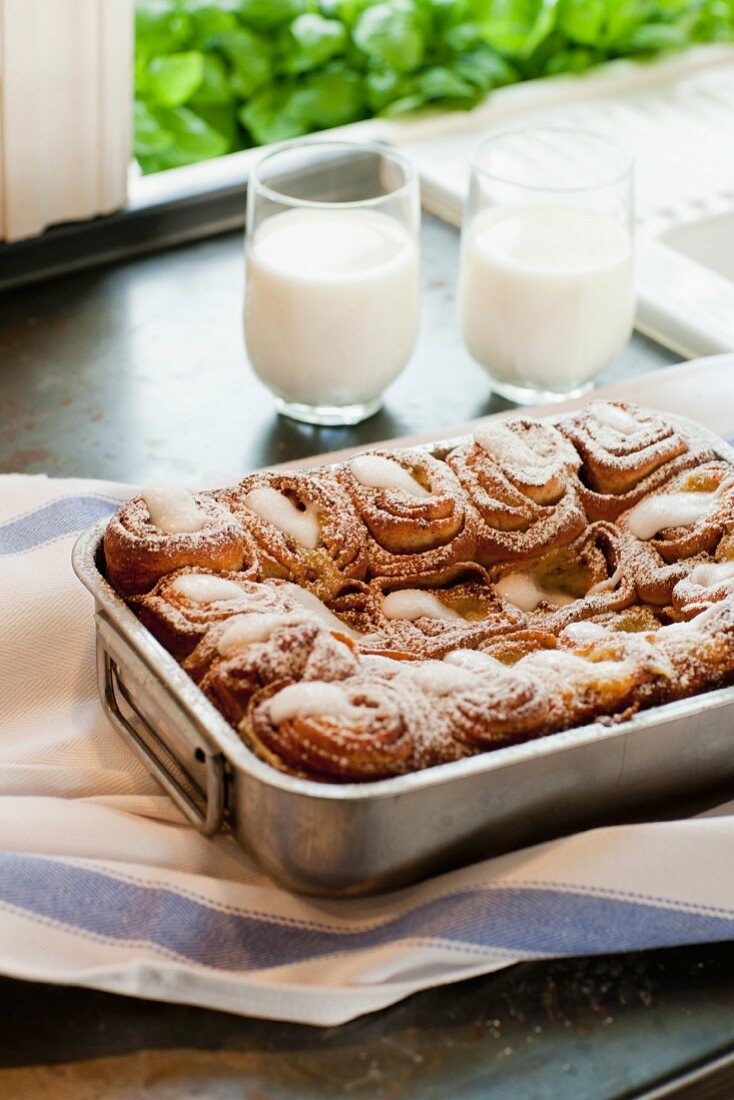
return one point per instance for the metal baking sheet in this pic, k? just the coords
(360, 838)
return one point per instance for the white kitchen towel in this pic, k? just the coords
(103, 884)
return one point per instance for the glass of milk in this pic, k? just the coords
(332, 287)
(546, 287)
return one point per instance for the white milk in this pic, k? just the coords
(331, 310)
(547, 293)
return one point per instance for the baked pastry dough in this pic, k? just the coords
(519, 476)
(192, 529)
(354, 730)
(295, 650)
(304, 528)
(688, 515)
(626, 453)
(419, 522)
(429, 622)
(591, 576)
(184, 604)
(407, 610)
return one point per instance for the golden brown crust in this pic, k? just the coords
(296, 651)
(521, 483)
(616, 623)
(374, 742)
(137, 553)
(675, 544)
(627, 453)
(341, 553)
(180, 622)
(596, 571)
(425, 536)
(512, 647)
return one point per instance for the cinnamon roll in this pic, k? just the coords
(626, 453)
(591, 576)
(680, 528)
(689, 516)
(183, 605)
(588, 676)
(240, 662)
(166, 528)
(519, 477)
(283, 605)
(417, 516)
(700, 651)
(656, 579)
(430, 622)
(598, 681)
(349, 731)
(503, 709)
(707, 582)
(423, 714)
(304, 527)
(472, 703)
(676, 660)
(410, 610)
(510, 648)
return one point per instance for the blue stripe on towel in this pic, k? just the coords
(53, 521)
(532, 920)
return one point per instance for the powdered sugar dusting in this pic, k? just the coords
(533, 544)
(614, 417)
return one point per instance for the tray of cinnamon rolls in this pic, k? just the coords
(372, 671)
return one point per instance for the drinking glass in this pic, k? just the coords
(546, 286)
(332, 288)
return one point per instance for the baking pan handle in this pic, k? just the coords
(206, 811)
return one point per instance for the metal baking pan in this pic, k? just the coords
(361, 838)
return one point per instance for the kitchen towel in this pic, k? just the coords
(103, 884)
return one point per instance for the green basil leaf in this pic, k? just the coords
(518, 27)
(149, 136)
(250, 58)
(215, 87)
(583, 20)
(462, 36)
(655, 37)
(348, 11)
(485, 68)
(173, 78)
(160, 27)
(192, 135)
(311, 41)
(267, 116)
(208, 19)
(623, 19)
(391, 35)
(383, 86)
(441, 83)
(576, 60)
(405, 106)
(223, 119)
(331, 98)
(451, 13)
(266, 15)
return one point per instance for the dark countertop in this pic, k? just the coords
(137, 373)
